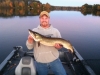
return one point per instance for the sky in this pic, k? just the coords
(70, 2)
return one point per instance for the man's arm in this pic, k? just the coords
(30, 39)
(30, 42)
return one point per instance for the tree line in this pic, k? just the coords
(34, 7)
(91, 7)
(24, 4)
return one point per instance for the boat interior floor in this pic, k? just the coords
(64, 57)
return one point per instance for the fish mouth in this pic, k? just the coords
(30, 30)
(32, 33)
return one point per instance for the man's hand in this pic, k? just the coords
(58, 46)
(30, 39)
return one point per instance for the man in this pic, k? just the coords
(47, 57)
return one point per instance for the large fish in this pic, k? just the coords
(51, 41)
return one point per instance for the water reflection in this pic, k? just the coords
(18, 12)
(31, 12)
(89, 12)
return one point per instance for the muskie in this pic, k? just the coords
(51, 41)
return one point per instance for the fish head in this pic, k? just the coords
(36, 36)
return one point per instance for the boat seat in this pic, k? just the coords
(26, 66)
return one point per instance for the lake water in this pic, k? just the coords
(82, 31)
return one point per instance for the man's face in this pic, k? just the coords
(44, 20)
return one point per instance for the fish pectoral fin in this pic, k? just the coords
(61, 45)
(70, 51)
(38, 44)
